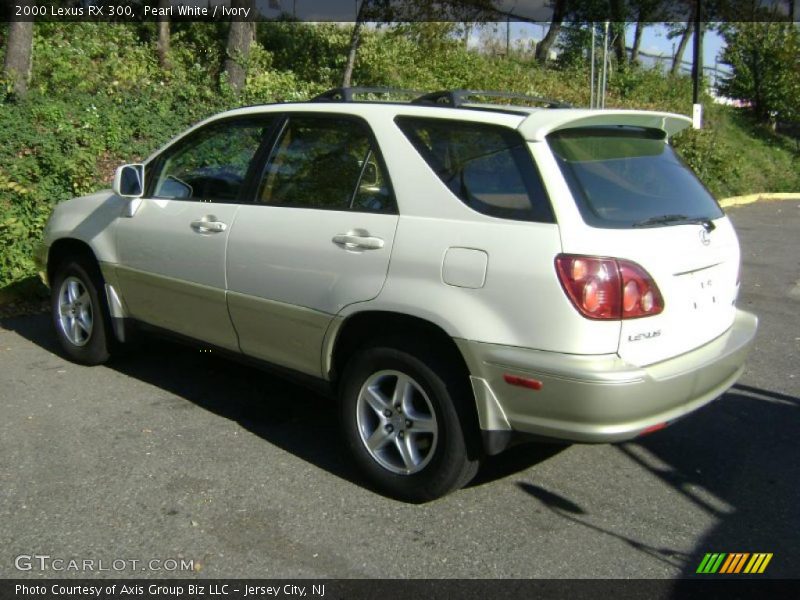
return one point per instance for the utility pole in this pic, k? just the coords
(508, 35)
(602, 92)
(591, 69)
(697, 66)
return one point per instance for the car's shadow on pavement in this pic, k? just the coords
(736, 460)
(290, 416)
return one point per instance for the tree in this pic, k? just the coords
(637, 40)
(646, 11)
(618, 29)
(765, 68)
(575, 40)
(19, 56)
(355, 40)
(162, 46)
(240, 36)
(431, 17)
(685, 33)
(543, 47)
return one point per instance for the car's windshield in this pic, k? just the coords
(625, 177)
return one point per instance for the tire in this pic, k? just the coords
(426, 449)
(80, 312)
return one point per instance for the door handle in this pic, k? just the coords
(208, 224)
(353, 240)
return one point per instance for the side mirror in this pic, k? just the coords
(129, 181)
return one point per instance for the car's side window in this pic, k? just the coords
(487, 166)
(326, 162)
(212, 165)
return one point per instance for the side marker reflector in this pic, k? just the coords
(653, 428)
(531, 384)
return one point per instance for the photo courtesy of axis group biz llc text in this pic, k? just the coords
(176, 590)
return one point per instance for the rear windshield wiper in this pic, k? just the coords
(676, 220)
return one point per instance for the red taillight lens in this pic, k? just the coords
(592, 284)
(608, 288)
(646, 299)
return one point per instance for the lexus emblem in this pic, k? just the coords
(705, 237)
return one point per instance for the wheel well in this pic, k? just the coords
(66, 248)
(366, 327)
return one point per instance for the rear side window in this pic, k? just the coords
(488, 167)
(623, 177)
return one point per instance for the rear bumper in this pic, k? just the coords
(600, 398)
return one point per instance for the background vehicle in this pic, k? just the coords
(460, 275)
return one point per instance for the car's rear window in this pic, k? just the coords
(624, 177)
(488, 167)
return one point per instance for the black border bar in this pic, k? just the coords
(707, 587)
(390, 11)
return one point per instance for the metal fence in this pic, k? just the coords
(713, 75)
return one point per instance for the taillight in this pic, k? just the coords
(608, 288)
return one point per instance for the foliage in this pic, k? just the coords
(313, 53)
(765, 62)
(99, 99)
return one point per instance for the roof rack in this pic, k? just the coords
(451, 98)
(456, 98)
(348, 94)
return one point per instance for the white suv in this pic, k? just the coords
(459, 275)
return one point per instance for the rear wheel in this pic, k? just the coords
(400, 408)
(80, 312)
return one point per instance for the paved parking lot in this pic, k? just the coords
(172, 454)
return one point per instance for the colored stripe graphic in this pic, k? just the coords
(727, 564)
(711, 562)
(734, 563)
(758, 563)
(741, 562)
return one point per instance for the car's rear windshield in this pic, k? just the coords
(624, 177)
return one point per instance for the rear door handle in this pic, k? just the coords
(208, 224)
(352, 240)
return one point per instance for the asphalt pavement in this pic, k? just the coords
(171, 454)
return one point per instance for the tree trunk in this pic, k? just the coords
(618, 27)
(19, 56)
(355, 39)
(240, 36)
(620, 50)
(543, 47)
(637, 41)
(676, 61)
(163, 37)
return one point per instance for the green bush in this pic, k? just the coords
(99, 98)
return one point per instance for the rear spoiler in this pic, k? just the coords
(543, 122)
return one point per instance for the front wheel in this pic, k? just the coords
(400, 412)
(80, 314)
